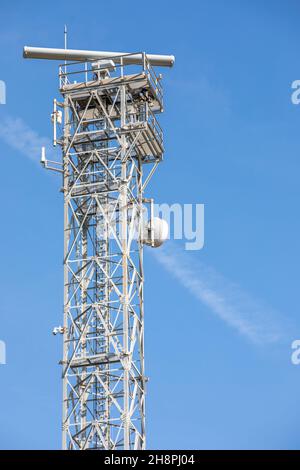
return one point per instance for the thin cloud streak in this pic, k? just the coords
(19, 136)
(250, 317)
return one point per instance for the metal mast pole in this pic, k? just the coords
(124, 221)
(66, 287)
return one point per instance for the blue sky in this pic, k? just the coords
(233, 143)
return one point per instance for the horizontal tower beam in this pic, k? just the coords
(73, 54)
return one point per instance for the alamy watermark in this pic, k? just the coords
(2, 352)
(186, 222)
(295, 356)
(2, 92)
(158, 222)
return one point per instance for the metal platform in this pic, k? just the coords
(98, 100)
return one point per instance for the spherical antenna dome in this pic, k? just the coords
(160, 232)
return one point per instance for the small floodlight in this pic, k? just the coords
(58, 330)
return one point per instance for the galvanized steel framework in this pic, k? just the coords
(111, 145)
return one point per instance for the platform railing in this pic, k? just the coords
(155, 126)
(85, 72)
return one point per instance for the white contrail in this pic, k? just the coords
(224, 298)
(18, 135)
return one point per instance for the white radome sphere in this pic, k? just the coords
(160, 232)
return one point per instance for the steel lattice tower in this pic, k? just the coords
(111, 145)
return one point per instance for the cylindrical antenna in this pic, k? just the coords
(66, 37)
(73, 54)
